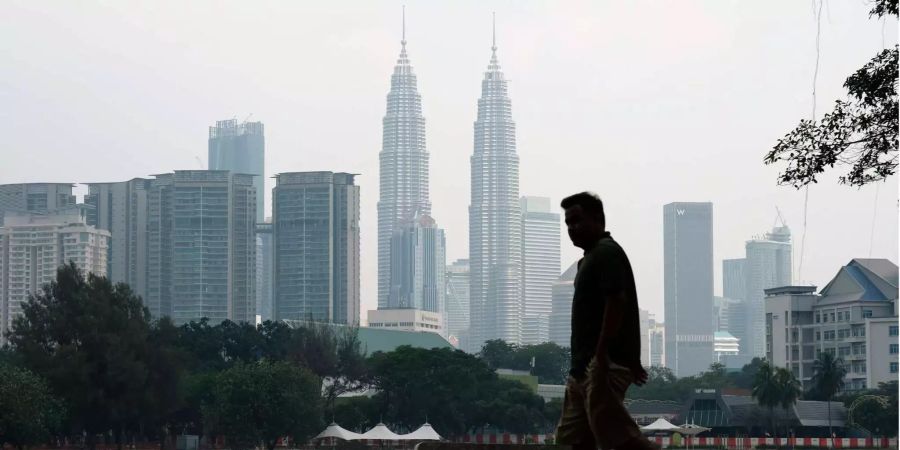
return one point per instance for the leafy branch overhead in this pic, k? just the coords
(860, 132)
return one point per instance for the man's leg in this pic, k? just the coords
(573, 428)
(610, 421)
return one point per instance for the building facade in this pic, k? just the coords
(725, 345)
(688, 286)
(563, 292)
(34, 245)
(854, 317)
(540, 267)
(316, 247)
(406, 319)
(121, 208)
(403, 167)
(264, 270)
(768, 265)
(241, 149)
(657, 344)
(495, 223)
(35, 197)
(457, 301)
(418, 266)
(201, 246)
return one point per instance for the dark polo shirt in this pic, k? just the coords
(602, 272)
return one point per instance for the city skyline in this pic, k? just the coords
(132, 147)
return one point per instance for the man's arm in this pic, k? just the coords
(613, 316)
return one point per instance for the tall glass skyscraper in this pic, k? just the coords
(540, 267)
(201, 246)
(403, 166)
(768, 265)
(418, 266)
(456, 316)
(688, 286)
(316, 247)
(240, 148)
(495, 227)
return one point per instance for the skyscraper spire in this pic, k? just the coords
(494, 41)
(403, 166)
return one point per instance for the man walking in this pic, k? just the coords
(606, 341)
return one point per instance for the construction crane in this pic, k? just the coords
(779, 217)
(199, 162)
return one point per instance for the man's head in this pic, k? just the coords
(584, 218)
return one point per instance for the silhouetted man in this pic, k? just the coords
(606, 341)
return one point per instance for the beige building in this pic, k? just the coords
(34, 245)
(406, 320)
(854, 317)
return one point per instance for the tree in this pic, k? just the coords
(28, 411)
(745, 378)
(828, 379)
(789, 388)
(90, 340)
(860, 132)
(498, 354)
(767, 390)
(261, 402)
(551, 362)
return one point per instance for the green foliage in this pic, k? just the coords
(455, 391)
(551, 362)
(90, 340)
(860, 132)
(773, 387)
(261, 402)
(875, 410)
(28, 411)
(828, 379)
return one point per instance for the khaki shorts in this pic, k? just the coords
(594, 412)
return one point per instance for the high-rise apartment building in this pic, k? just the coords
(734, 279)
(403, 168)
(540, 267)
(768, 265)
(33, 245)
(264, 270)
(688, 286)
(35, 197)
(201, 246)
(316, 247)
(121, 208)
(495, 223)
(456, 300)
(241, 149)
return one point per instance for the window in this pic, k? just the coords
(825, 318)
(867, 313)
(818, 335)
(893, 367)
(893, 330)
(818, 318)
(832, 317)
(840, 316)
(895, 348)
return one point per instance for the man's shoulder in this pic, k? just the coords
(608, 248)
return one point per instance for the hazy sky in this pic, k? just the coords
(644, 103)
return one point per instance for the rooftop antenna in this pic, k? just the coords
(494, 30)
(403, 33)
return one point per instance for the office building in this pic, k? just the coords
(264, 270)
(418, 265)
(563, 291)
(406, 319)
(768, 265)
(457, 301)
(495, 223)
(241, 149)
(540, 266)
(688, 286)
(403, 168)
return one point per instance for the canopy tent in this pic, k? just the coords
(692, 430)
(424, 433)
(661, 425)
(381, 433)
(336, 431)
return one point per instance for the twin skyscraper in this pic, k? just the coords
(411, 248)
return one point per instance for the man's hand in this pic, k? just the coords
(639, 374)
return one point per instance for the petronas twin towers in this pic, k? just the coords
(495, 230)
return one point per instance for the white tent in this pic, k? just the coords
(380, 433)
(661, 425)
(691, 429)
(336, 431)
(424, 433)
